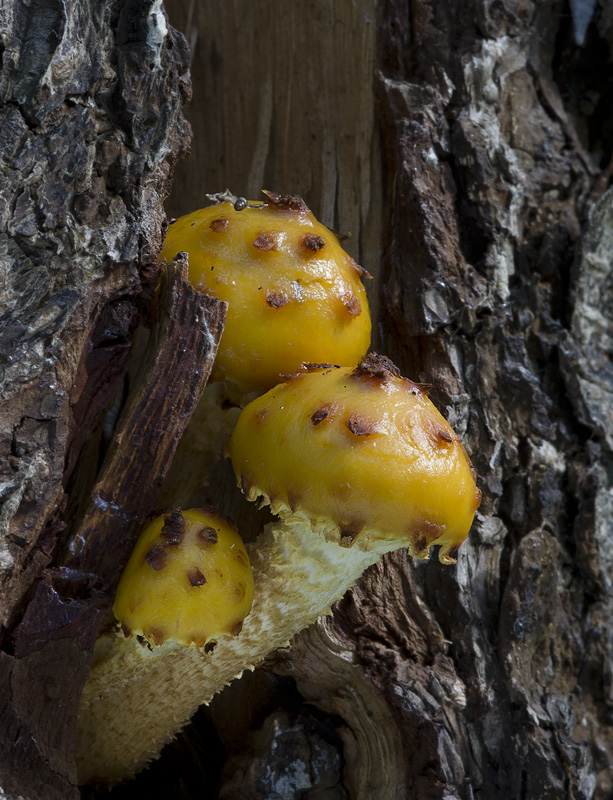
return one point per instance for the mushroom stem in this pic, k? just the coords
(137, 699)
(201, 444)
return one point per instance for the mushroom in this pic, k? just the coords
(356, 463)
(294, 295)
(360, 457)
(187, 585)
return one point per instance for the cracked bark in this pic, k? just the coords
(467, 147)
(90, 130)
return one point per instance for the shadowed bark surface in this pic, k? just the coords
(90, 130)
(467, 147)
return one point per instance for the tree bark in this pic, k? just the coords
(91, 128)
(457, 143)
(467, 147)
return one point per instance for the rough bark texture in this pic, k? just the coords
(90, 130)
(468, 147)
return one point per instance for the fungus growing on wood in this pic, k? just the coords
(362, 455)
(188, 581)
(187, 585)
(357, 463)
(294, 294)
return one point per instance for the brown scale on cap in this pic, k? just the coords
(439, 435)
(265, 241)
(351, 530)
(376, 366)
(154, 635)
(342, 491)
(325, 412)
(286, 202)
(312, 242)
(219, 225)
(158, 512)
(246, 485)
(421, 544)
(381, 368)
(360, 426)
(261, 415)
(353, 305)
(238, 590)
(363, 273)
(276, 299)
(425, 532)
(208, 535)
(173, 529)
(293, 499)
(157, 557)
(235, 629)
(195, 577)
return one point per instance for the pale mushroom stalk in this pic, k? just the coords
(202, 443)
(357, 463)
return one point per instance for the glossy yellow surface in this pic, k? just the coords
(189, 587)
(294, 294)
(371, 453)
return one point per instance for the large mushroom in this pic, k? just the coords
(356, 462)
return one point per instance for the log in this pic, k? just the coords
(467, 148)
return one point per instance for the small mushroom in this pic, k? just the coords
(356, 463)
(187, 585)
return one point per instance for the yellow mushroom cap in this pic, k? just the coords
(188, 580)
(363, 449)
(294, 294)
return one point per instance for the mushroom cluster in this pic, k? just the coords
(355, 461)
(294, 296)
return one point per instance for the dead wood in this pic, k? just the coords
(466, 146)
(91, 128)
(477, 195)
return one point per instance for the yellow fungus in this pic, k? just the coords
(363, 449)
(294, 294)
(188, 581)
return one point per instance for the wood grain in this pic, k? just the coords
(285, 101)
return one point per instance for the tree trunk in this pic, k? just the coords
(467, 147)
(90, 130)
